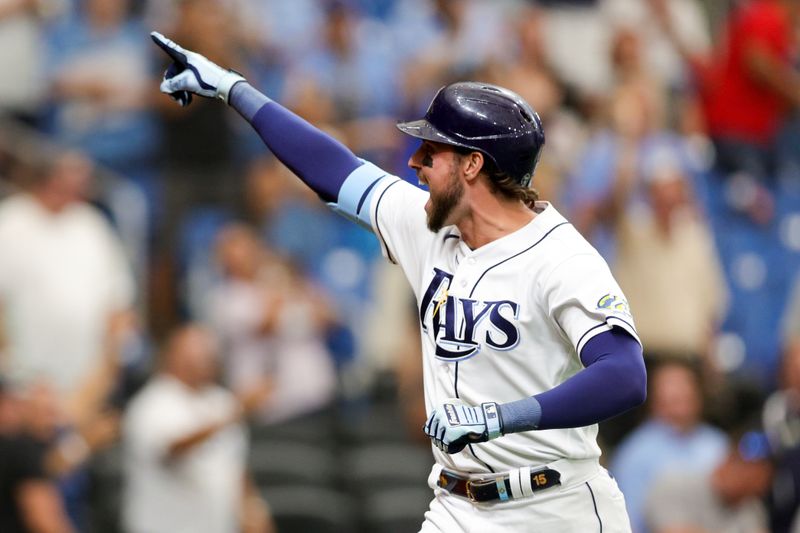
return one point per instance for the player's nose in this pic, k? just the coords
(415, 161)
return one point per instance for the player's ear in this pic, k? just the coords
(471, 165)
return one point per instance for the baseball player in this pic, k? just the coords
(527, 340)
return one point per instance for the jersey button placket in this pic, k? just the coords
(467, 271)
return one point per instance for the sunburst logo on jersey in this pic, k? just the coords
(612, 302)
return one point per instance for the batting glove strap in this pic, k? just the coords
(492, 419)
(226, 83)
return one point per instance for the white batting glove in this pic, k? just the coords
(190, 73)
(453, 425)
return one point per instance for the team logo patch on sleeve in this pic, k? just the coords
(614, 303)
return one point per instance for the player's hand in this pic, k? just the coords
(190, 73)
(453, 425)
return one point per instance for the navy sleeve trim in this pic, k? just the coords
(603, 325)
(366, 193)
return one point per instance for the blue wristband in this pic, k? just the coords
(521, 415)
(491, 416)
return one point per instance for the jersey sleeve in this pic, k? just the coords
(393, 209)
(584, 299)
(399, 221)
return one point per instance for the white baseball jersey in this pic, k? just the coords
(499, 323)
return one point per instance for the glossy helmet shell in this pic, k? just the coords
(486, 118)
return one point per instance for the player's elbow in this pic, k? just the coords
(630, 374)
(636, 384)
(639, 392)
(630, 378)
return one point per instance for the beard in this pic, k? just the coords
(442, 206)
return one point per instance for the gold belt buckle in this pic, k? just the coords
(470, 495)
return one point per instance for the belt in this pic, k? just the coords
(503, 488)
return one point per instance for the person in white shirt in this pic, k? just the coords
(63, 271)
(185, 446)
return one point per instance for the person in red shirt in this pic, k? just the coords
(748, 86)
(749, 90)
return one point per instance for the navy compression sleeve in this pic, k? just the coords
(613, 381)
(318, 159)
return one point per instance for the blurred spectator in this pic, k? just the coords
(62, 447)
(353, 55)
(663, 245)
(673, 439)
(454, 38)
(66, 447)
(782, 424)
(100, 71)
(392, 303)
(272, 323)
(747, 86)
(22, 55)
(633, 79)
(351, 59)
(659, 53)
(63, 272)
(632, 121)
(10, 411)
(408, 371)
(285, 30)
(29, 499)
(577, 38)
(791, 323)
(202, 175)
(332, 251)
(725, 500)
(186, 447)
(529, 74)
(615, 155)
(198, 152)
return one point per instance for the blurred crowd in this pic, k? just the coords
(191, 341)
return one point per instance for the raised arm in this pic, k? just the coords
(322, 162)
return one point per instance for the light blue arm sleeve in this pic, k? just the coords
(355, 195)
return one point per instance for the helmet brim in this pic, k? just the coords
(422, 129)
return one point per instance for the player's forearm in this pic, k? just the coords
(613, 382)
(321, 161)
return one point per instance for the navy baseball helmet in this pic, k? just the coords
(488, 119)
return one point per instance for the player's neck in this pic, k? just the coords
(491, 218)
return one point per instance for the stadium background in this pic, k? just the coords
(80, 76)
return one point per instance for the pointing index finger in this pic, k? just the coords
(171, 48)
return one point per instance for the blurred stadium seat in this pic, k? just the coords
(311, 509)
(292, 463)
